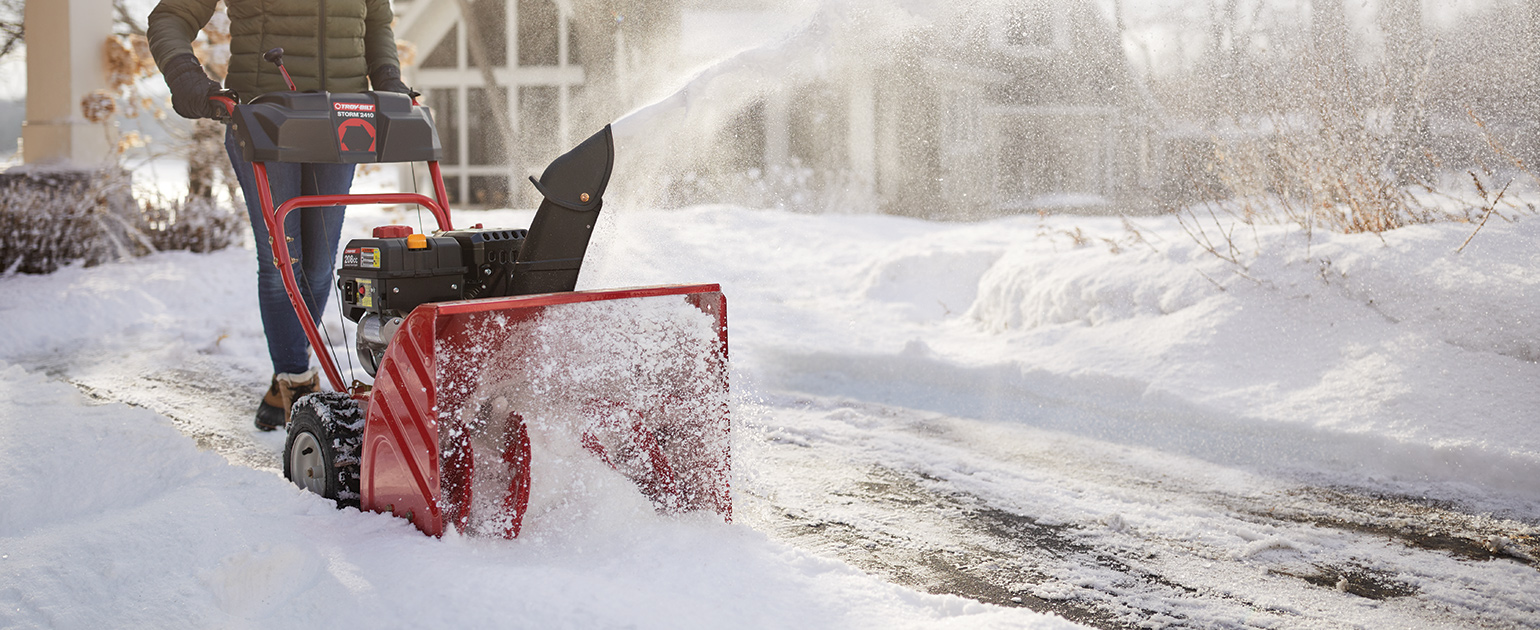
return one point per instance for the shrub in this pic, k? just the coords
(50, 218)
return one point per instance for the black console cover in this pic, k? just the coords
(335, 128)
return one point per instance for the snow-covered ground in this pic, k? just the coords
(1076, 415)
(114, 519)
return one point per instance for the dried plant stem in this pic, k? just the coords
(1487, 214)
(1497, 147)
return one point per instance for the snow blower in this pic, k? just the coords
(495, 382)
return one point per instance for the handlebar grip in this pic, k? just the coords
(226, 101)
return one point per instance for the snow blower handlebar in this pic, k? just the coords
(376, 127)
(345, 128)
(225, 100)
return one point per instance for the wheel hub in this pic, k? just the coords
(306, 460)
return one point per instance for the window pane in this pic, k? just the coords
(487, 145)
(492, 25)
(1029, 27)
(441, 103)
(489, 190)
(539, 123)
(443, 55)
(538, 38)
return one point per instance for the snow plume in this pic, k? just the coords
(692, 127)
(827, 43)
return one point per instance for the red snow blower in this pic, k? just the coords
(498, 389)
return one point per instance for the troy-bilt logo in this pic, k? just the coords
(353, 107)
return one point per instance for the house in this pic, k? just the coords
(1018, 107)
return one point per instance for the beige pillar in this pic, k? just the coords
(65, 43)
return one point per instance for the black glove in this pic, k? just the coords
(190, 86)
(387, 78)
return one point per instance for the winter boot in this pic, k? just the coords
(281, 394)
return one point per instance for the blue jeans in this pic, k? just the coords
(314, 233)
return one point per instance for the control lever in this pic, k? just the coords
(275, 57)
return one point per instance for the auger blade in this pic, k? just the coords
(487, 411)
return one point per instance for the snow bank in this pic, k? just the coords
(1393, 362)
(930, 282)
(1482, 299)
(1397, 356)
(173, 294)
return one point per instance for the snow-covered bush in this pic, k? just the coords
(50, 218)
(1335, 167)
(194, 223)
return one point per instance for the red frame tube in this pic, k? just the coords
(286, 78)
(278, 241)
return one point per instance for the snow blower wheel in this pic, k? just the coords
(321, 452)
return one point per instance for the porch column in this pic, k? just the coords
(66, 40)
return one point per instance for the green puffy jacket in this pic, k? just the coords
(359, 40)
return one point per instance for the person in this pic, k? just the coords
(359, 51)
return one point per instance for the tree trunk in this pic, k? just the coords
(205, 151)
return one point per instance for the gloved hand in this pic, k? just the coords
(387, 78)
(190, 86)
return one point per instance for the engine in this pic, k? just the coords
(383, 278)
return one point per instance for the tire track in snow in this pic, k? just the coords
(204, 400)
(1115, 536)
